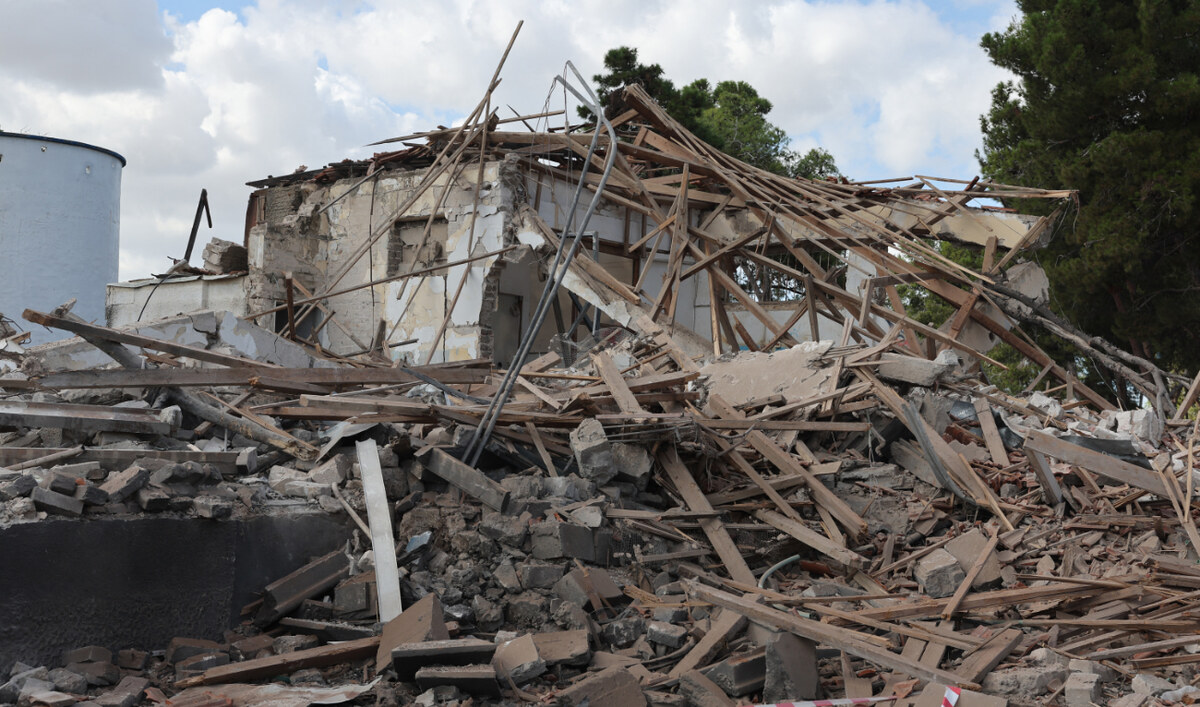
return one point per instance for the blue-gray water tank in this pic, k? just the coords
(60, 220)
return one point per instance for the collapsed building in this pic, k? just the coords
(594, 415)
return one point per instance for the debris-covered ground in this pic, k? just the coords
(750, 520)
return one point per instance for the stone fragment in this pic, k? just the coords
(97, 673)
(57, 503)
(966, 548)
(132, 659)
(127, 693)
(1026, 683)
(120, 485)
(527, 610)
(181, 648)
(623, 632)
(633, 464)
(90, 494)
(212, 507)
(553, 539)
(1083, 689)
(593, 453)
(539, 575)
(519, 660)
(702, 692)
(1146, 684)
(791, 669)
(46, 698)
(423, 621)
(612, 686)
(506, 576)
(1079, 665)
(504, 528)
(563, 647)
(17, 487)
(153, 499)
(741, 674)
(292, 643)
(939, 574)
(666, 634)
(68, 681)
(88, 654)
(59, 483)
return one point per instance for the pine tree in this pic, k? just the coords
(1107, 101)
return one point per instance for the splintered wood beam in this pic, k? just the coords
(695, 500)
(92, 331)
(620, 391)
(839, 638)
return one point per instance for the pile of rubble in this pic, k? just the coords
(819, 521)
(663, 519)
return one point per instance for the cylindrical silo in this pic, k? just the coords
(60, 217)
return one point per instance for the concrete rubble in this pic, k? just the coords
(646, 524)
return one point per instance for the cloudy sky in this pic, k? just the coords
(215, 93)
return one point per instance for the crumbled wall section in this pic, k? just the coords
(290, 238)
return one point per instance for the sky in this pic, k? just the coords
(213, 94)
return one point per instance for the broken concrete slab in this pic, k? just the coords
(612, 686)
(423, 621)
(593, 453)
(939, 574)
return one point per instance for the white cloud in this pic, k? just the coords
(232, 97)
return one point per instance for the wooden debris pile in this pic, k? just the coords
(667, 520)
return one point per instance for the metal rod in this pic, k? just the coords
(487, 424)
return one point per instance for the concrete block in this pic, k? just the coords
(702, 692)
(56, 503)
(553, 539)
(81, 470)
(519, 660)
(1083, 689)
(47, 698)
(593, 453)
(1144, 684)
(1025, 683)
(332, 471)
(966, 548)
(120, 485)
(132, 659)
(423, 621)
(251, 647)
(913, 370)
(98, 674)
(563, 647)
(90, 494)
(127, 693)
(212, 507)
(59, 483)
(666, 634)
(576, 587)
(612, 686)
(17, 487)
(539, 575)
(633, 464)
(506, 576)
(623, 632)
(408, 658)
(741, 674)
(68, 681)
(152, 499)
(791, 669)
(504, 528)
(181, 648)
(528, 610)
(290, 643)
(475, 679)
(88, 654)
(939, 574)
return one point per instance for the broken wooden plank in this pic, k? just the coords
(275, 665)
(1097, 462)
(695, 499)
(834, 637)
(466, 478)
(379, 517)
(813, 539)
(83, 418)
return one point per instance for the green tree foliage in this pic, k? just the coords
(731, 116)
(1107, 101)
